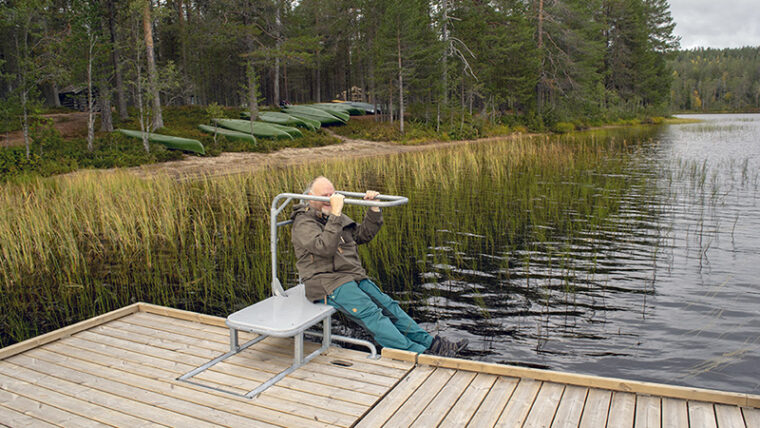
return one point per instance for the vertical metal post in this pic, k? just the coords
(326, 330)
(273, 247)
(298, 350)
(233, 340)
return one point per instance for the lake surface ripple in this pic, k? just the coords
(665, 288)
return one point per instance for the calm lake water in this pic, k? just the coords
(665, 289)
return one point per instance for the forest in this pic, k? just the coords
(532, 61)
(716, 80)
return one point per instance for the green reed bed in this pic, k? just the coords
(73, 247)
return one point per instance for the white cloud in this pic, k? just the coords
(717, 24)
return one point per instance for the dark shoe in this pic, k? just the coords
(445, 348)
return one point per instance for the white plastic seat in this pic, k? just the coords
(280, 316)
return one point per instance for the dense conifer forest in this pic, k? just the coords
(716, 80)
(536, 61)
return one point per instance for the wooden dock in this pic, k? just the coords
(120, 369)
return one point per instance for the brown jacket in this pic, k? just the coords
(326, 249)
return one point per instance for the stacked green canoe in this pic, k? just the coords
(280, 118)
(169, 141)
(260, 129)
(335, 111)
(306, 112)
(341, 107)
(235, 135)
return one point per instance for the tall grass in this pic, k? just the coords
(73, 247)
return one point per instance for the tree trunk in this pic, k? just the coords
(400, 82)
(183, 44)
(121, 97)
(539, 86)
(319, 81)
(158, 121)
(104, 96)
(253, 103)
(278, 45)
(90, 100)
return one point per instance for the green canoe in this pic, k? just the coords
(312, 113)
(367, 107)
(324, 116)
(292, 131)
(260, 129)
(344, 107)
(283, 119)
(171, 142)
(235, 135)
(335, 111)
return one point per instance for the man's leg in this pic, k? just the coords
(352, 301)
(403, 322)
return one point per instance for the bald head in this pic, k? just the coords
(321, 186)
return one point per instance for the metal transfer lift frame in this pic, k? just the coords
(288, 313)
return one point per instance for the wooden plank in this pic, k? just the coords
(181, 331)
(622, 410)
(34, 342)
(469, 401)
(399, 355)
(614, 384)
(493, 405)
(439, 408)
(729, 416)
(152, 390)
(188, 363)
(544, 405)
(426, 392)
(702, 415)
(395, 398)
(674, 413)
(751, 417)
(104, 392)
(596, 408)
(444, 400)
(36, 386)
(162, 345)
(311, 394)
(196, 394)
(570, 407)
(182, 314)
(221, 334)
(12, 418)
(648, 412)
(519, 404)
(41, 411)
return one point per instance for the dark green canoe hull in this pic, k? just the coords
(344, 107)
(311, 113)
(260, 129)
(235, 135)
(285, 119)
(169, 141)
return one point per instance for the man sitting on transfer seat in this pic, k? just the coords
(325, 242)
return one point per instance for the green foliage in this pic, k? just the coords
(715, 80)
(563, 127)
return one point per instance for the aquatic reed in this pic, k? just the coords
(76, 246)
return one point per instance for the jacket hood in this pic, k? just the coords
(299, 208)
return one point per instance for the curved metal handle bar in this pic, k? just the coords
(380, 201)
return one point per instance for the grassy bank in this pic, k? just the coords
(74, 247)
(51, 154)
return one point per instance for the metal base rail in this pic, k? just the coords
(298, 357)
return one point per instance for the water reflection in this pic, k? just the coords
(655, 278)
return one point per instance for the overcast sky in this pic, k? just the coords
(717, 23)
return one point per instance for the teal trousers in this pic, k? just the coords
(381, 316)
